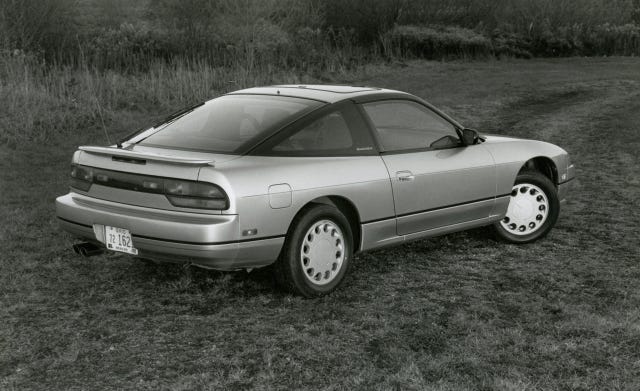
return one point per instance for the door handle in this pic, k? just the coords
(405, 176)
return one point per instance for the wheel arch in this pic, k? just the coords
(543, 165)
(347, 208)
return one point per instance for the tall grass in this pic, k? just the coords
(520, 16)
(120, 35)
(443, 42)
(43, 102)
(436, 42)
(68, 66)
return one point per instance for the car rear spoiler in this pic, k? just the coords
(142, 157)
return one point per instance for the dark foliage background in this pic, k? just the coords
(120, 34)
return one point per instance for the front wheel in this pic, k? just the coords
(316, 253)
(533, 209)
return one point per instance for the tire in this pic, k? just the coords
(533, 209)
(317, 252)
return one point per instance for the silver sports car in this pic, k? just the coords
(303, 177)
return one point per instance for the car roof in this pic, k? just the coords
(324, 93)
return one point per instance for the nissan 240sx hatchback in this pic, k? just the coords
(304, 177)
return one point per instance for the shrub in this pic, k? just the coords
(559, 42)
(511, 45)
(126, 47)
(368, 19)
(37, 25)
(612, 40)
(438, 42)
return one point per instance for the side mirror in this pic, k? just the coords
(470, 136)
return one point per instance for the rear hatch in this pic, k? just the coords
(128, 169)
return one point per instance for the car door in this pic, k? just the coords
(436, 180)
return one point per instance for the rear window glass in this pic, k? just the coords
(229, 123)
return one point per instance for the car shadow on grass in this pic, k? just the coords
(419, 250)
(205, 291)
(185, 279)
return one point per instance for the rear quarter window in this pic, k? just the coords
(328, 133)
(336, 131)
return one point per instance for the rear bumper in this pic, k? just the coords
(211, 241)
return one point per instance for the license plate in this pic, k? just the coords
(119, 239)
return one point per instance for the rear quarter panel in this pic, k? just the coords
(362, 180)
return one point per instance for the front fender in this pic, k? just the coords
(511, 155)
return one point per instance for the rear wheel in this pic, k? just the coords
(533, 209)
(316, 252)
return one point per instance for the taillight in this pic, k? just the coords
(200, 195)
(81, 177)
(182, 193)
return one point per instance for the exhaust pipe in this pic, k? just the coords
(87, 249)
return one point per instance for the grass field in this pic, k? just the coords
(457, 312)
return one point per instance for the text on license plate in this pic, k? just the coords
(119, 239)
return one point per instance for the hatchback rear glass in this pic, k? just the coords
(229, 124)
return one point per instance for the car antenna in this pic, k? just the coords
(104, 127)
(94, 95)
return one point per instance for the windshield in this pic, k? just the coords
(228, 124)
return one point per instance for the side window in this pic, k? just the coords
(329, 133)
(403, 125)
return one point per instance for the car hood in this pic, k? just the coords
(494, 138)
